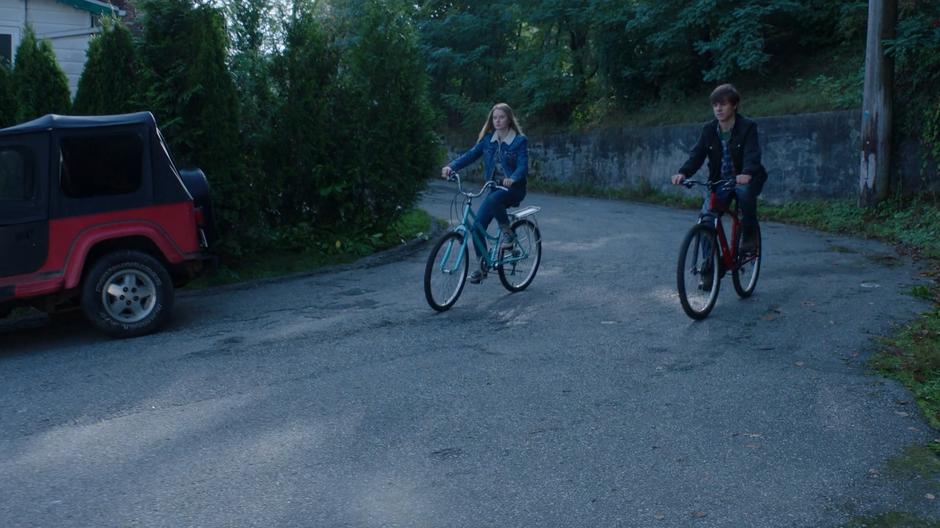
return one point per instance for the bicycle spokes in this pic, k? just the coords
(697, 272)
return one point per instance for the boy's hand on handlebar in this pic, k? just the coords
(677, 179)
(743, 179)
(507, 182)
(445, 171)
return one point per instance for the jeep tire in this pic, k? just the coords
(127, 294)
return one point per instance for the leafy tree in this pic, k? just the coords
(39, 84)
(110, 82)
(916, 52)
(469, 49)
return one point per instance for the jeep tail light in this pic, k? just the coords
(200, 217)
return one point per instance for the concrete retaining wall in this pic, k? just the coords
(807, 156)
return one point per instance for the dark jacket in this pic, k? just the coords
(514, 160)
(745, 152)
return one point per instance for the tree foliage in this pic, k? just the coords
(111, 80)
(391, 116)
(916, 52)
(553, 57)
(312, 185)
(190, 89)
(39, 84)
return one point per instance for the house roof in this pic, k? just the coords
(96, 7)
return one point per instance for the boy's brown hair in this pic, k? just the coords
(725, 93)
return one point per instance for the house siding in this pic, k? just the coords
(68, 29)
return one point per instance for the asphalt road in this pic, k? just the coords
(340, 399)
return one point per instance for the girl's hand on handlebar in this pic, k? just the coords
(507, 182)
(677, 179)
(743, 179)
(445, 171)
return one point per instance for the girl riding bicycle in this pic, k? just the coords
(506, 161)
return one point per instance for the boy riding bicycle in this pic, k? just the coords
(730, 142)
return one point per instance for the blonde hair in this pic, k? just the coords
(488, 125)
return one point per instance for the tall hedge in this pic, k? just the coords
(390, 123)
(110, 82)
(311, 181)
(39, 84)
(191, 92)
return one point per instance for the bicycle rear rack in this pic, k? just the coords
(524, 212)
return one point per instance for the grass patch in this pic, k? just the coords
(915, 224)
(303, 248)
(912, 356)
(917, 462)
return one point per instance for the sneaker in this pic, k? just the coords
(476, 276)
(509, 240)
(748, 244)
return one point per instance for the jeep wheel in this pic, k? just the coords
(127, 294)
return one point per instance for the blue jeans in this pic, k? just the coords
(747, 202)
(494, 206)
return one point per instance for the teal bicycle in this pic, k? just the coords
(446, 272)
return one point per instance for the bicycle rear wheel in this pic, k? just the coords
(517, 267)
(446, 272)
(697, 276)
(744, 275)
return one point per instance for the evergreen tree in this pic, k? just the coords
(252, 34)
(110, 82)
(311, 184)
(386, 75)
(39, 84)
(191, 92)
(7, 99)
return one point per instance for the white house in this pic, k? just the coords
(67, 24)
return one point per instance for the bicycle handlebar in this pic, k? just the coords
(456, 177)
(711, 185)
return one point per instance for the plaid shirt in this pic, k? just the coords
(727, 166)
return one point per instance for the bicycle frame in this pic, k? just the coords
(465, 227)
(727, 252)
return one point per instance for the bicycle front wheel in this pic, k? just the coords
(697, 275)
(744, 275)
(517, 267)
(446, 272)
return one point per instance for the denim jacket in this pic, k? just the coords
(513, 157)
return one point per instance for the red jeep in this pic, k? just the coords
(94, 212)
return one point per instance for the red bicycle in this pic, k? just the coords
(705, 256)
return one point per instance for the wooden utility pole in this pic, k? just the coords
(876, 104)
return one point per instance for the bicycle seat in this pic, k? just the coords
(524, 212)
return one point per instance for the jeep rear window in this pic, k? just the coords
(101, 165)
(17, 179)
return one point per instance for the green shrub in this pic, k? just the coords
(190, 90)
(39, 84)
(110, 82)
